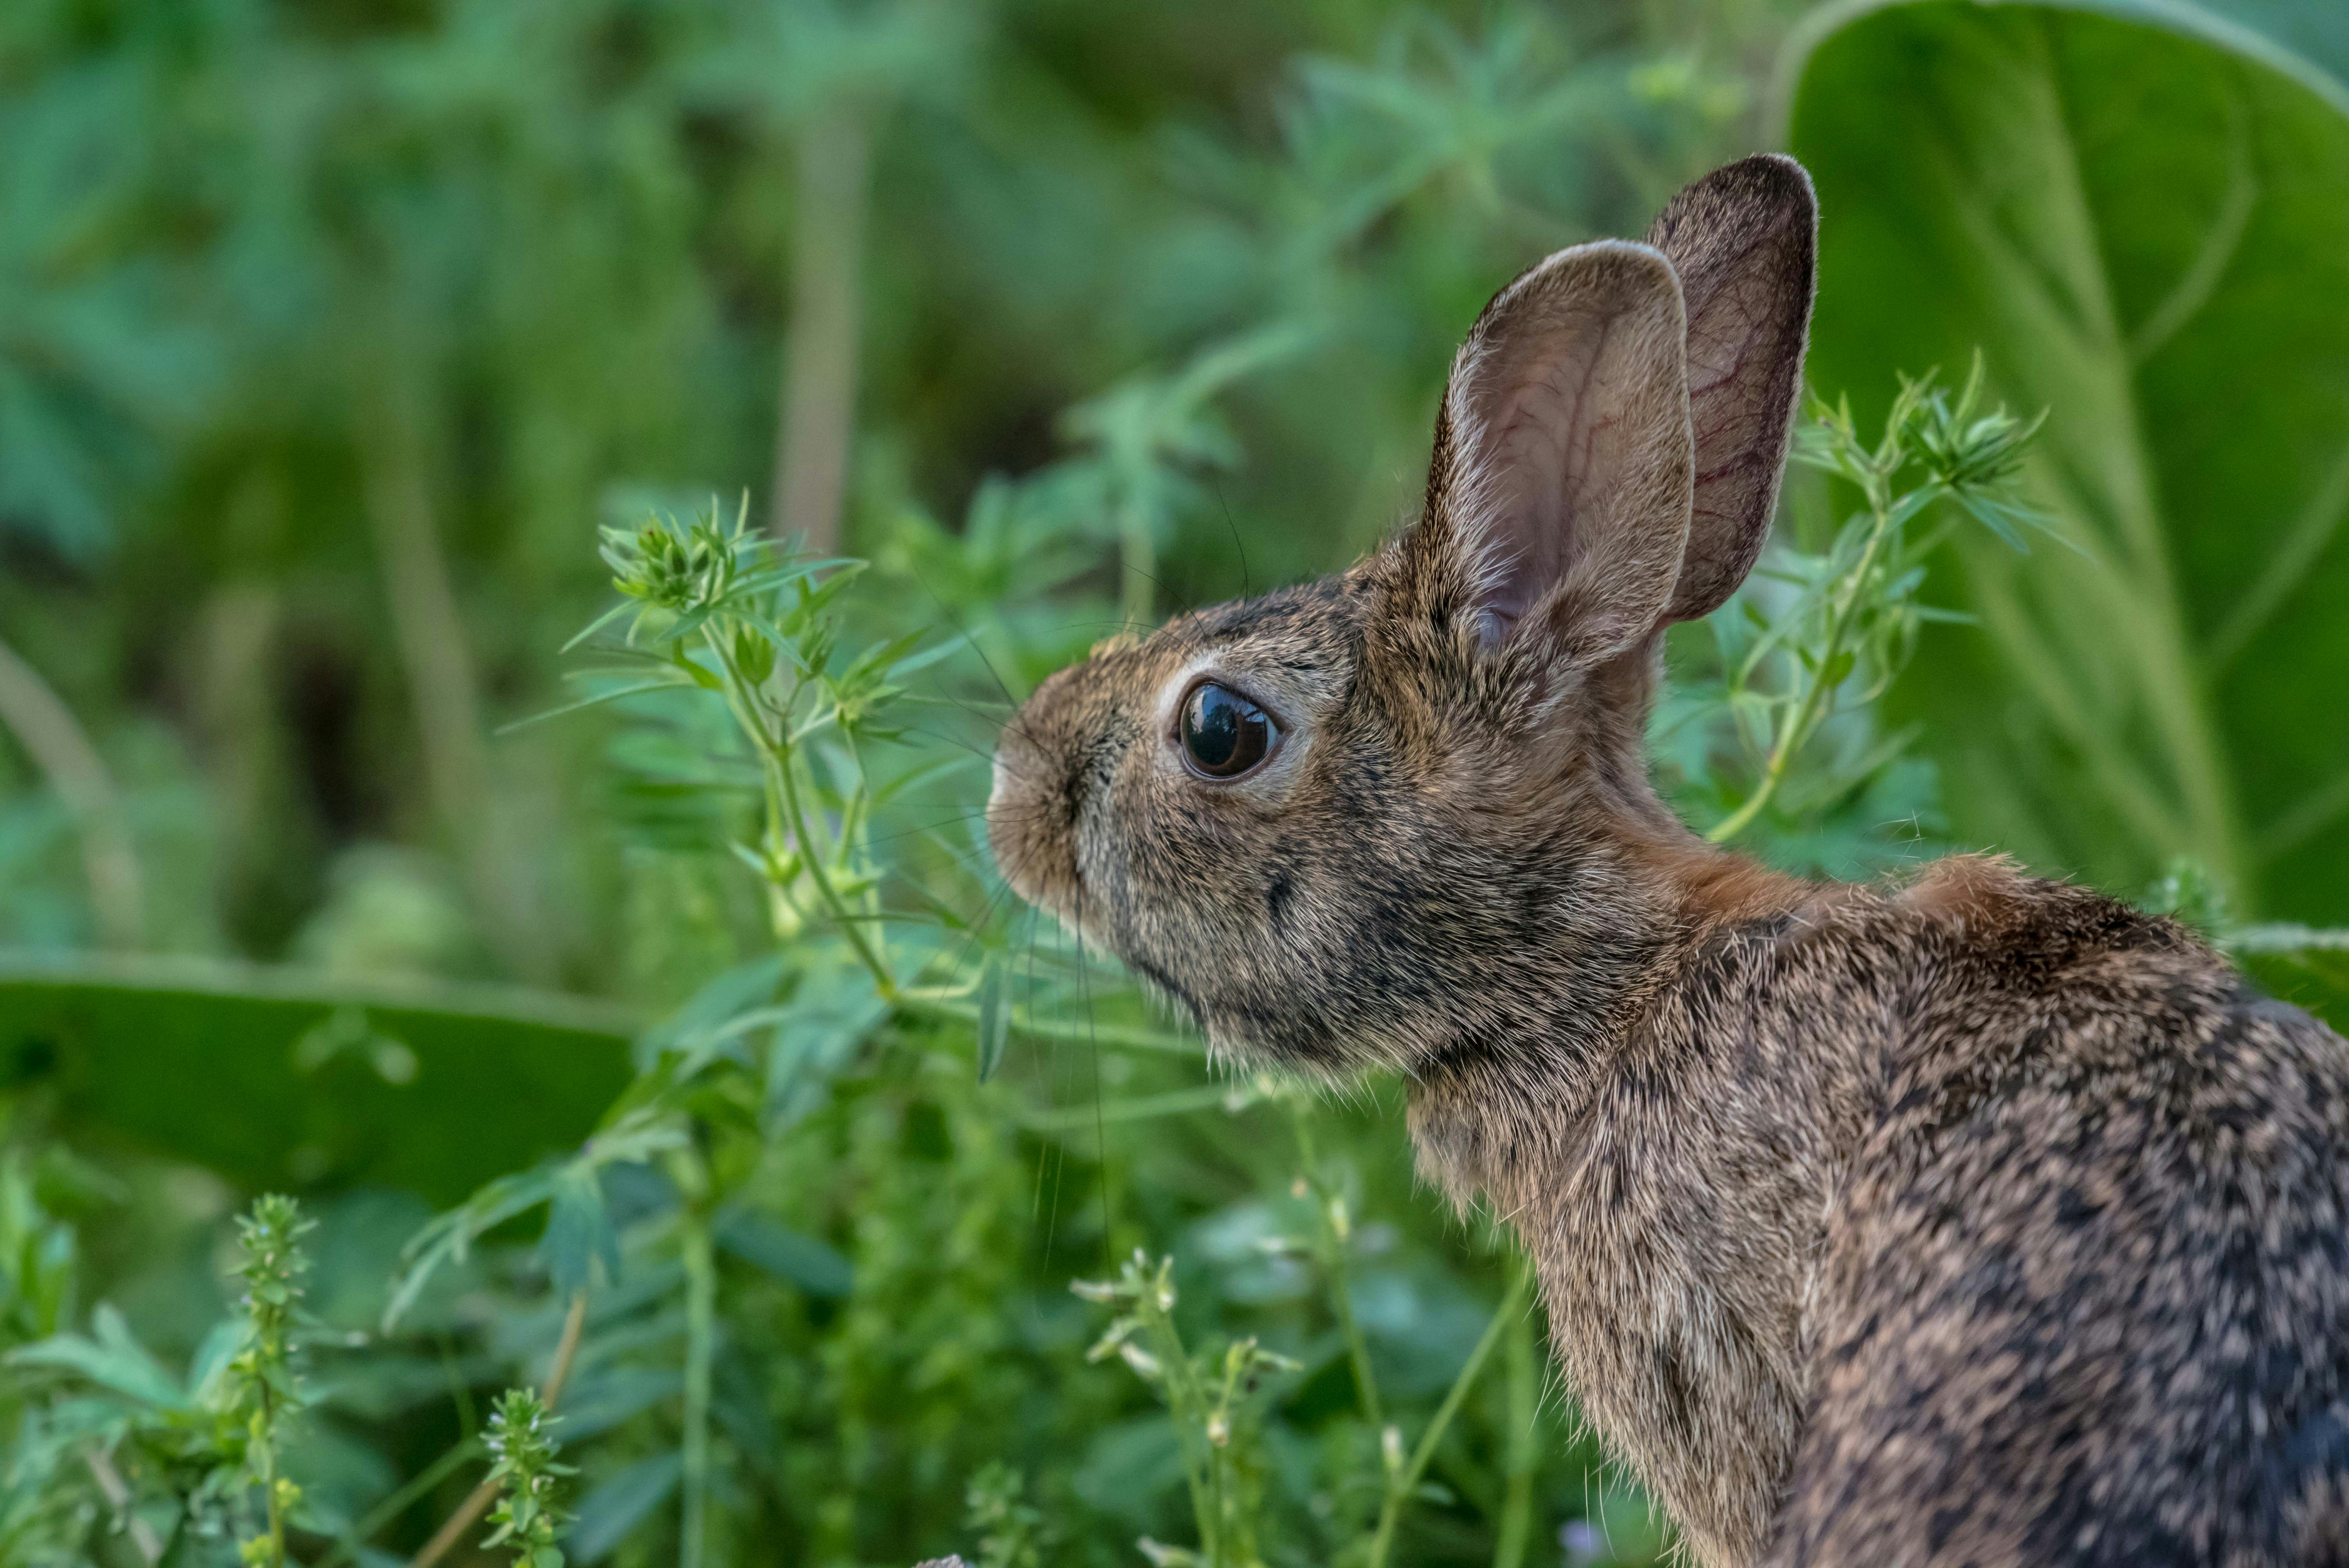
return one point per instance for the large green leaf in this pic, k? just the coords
(276, 1079)
(2140, 212)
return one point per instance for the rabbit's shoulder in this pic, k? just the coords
(2091, 1259)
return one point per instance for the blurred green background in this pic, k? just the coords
(329, 330)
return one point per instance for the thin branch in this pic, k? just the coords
(436, 657)
(117, 1497)
(477, 1503)
(816, 426)
(62, 751)
(1403, 1481)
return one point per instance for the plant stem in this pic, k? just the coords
(1137, 553)
(269, 1489)
(1401, 1484)
(700, 1345)
(837, 907)
(1188, 1404)
(784, 794)
(816, 426)
(1329, 1212)
(436, 656)
(1038, 1028)
(62, 749)
(477, 1502)
(117, 1497)
(399, 1502)
(1522, 1456)
(1820, 688)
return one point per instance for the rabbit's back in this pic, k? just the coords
(1992, 1222)
(2085, 1288)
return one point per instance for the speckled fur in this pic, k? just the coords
(1979, 1220)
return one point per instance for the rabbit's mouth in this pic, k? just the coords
(1166, 984)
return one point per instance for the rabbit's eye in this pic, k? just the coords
(1222, 732)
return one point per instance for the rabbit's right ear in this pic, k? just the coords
(1558, 495)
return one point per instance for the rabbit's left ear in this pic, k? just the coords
(1744, 241)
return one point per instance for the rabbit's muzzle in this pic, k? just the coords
(1038, 791)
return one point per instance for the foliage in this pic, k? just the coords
(1845, 622)
(2135, 212)
(195, 1466)
(325, 334)
(527, 1517)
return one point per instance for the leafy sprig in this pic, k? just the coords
(528, 1514)
(1820, 632)
(264, 1388)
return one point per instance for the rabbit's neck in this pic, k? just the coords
(1665, 1183)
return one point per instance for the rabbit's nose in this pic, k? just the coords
(1029, 824)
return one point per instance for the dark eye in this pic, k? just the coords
(1223, 734)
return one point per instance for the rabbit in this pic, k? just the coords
(1964, 1218)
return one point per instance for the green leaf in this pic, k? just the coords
(579, 1233)
(605, 1397)
(610, 1514)
(114, 1360)
(834, 1009)
(197, 1061)
(799, 1259)
(2141, 216)
(994, 1016)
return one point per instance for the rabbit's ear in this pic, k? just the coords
(1744, 241)
(1558, 499)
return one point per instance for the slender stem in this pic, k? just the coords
(270, 1494)
(700, 1345)
(1054, 1028)
(833, 903)
(1401, 1484)
(1188, 1404)
(46, 727)
(1523, 1454)
(117, 1497)
(1821, 687)
(816, 428)
(1330, 1212)
(785, 784)
(477, 1501)
(399, 1502)
(1137, 563)
(436, 657)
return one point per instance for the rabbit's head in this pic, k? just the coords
(1346, 822)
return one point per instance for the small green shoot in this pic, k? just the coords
(1821, 632)
(528, 1514)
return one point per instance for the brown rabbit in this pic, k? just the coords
(1979, 1220)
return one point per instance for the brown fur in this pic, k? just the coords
(1979, 1221)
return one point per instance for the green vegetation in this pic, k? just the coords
(661, 1065)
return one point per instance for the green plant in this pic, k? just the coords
(263, 1389)
(795, 1263)
(206, 1455)
(2136, 216)
(1846, 624)
(1215, 1399)
(527, 1516)
(1012, 1532)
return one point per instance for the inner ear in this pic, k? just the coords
(1566, 463)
